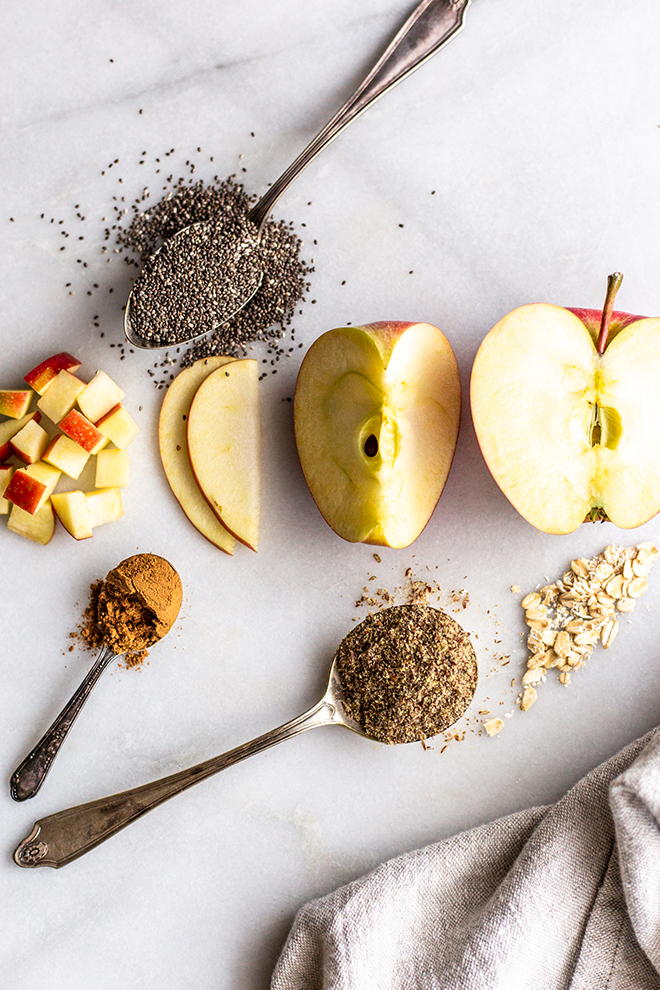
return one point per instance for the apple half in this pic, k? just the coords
(377, 410)
(566, 419)
(224, 444)
(173, 445)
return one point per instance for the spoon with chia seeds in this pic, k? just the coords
(402, 675)
(205, 273)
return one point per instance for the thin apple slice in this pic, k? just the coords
(38, 527)
(224, 443)
(173, 444)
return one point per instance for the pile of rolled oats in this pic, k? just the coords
(566, 619)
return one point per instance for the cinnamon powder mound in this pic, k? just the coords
(134, 607)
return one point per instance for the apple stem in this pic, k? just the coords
(613, 285)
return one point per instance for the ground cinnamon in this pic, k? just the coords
(134, 607)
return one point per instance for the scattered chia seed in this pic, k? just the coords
(266, 315)
(407, 673)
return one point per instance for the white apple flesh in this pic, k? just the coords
(173, 445)
(567, 431)
(224, 443)
(377, 411)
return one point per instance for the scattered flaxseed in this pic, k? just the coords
(566, 619)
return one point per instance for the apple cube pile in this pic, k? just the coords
(89, 416)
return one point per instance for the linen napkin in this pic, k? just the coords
(563, 896)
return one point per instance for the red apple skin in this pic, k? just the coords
(81, 431)
(41, 376)
(592, 317)
(14, 403)
(25, 491)
(5, 446)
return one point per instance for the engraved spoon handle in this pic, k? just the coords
(30, 775)
(63, 837)
(429, 27)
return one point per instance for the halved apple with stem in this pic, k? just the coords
(224, 443)
(566, 413)
(377, 410)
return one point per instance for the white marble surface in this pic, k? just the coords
(538, 129)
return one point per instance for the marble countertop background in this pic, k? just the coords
(518, 165)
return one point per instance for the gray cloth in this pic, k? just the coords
(556, 897)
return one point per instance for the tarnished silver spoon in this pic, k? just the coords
(62, 837)
(231, 284)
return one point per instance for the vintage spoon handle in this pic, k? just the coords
(429, 27)
(63, 837)
(30, 775)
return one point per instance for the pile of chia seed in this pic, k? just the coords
(180, 296)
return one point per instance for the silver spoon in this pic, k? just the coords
(62, 837)
(430, 26)
(30, 775)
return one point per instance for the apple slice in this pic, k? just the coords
(79, 429)
(38, 527)
(377, 412)
(15, 403)
(99, 396)
(9, 428)
(112, 467)
(30, 487)
(30, 442)
(42, 376)
(224, 443)
(173, 444)
(104, 506)
(61, 395)
(6, 471)
(67, 455)
(73, 512)
(567, 420)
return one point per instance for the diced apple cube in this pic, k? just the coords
(73, 513)
(61, 396)
(104, 506)
(112, 468)
(42, 376)
(30, 442)
(9, 428)
(30, 487)
(118, 426)
(99, 396)
(14, 402)
(38, 527)
(67, 455)
(81, 431)
(6, 471)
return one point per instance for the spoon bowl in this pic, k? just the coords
(218, 287)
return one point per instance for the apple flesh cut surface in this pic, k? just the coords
(377, 410)
(38, 527)
(15, 403)
(568, 432)
(9, 428)
(173, 445)
(224, 444)
(42, 376)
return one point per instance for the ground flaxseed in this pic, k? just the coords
(407, 673)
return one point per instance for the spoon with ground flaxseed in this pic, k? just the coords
(132, 609)
(402, 675)
(205, 273)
